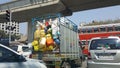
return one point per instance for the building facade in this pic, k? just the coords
(7, 27)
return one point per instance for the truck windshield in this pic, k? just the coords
(109, 44)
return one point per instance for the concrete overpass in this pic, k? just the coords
(24, 10)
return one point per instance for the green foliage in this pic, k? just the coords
(4, 35)
(15, 36)
(103, 22)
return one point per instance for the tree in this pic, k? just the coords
(103, 22)
(4, 35)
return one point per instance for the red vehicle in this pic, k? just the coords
(88, 32)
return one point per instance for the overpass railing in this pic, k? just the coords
(22, 3)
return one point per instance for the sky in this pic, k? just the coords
(100, 14)
(4, 1)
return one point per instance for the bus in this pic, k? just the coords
(104, 30)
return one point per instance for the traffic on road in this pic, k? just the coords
(54, 41)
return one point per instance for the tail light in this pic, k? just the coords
(89, 55)
(30, 56)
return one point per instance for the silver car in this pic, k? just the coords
(104, 52)
(11, 59)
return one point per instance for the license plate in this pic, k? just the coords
(105, 57)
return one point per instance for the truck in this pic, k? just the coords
(66, 52)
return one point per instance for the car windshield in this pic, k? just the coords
(109, 43)
(26, 49)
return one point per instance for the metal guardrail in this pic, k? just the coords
(22, 3)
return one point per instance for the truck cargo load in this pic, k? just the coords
(58, 38)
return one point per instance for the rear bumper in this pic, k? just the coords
(92, 64)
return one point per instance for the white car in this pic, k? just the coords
(104, 52)
(26, 49)
(11, 59)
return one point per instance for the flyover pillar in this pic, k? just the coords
(30, 32)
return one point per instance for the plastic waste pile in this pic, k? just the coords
(46, 35)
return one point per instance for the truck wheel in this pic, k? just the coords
(66, 65)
